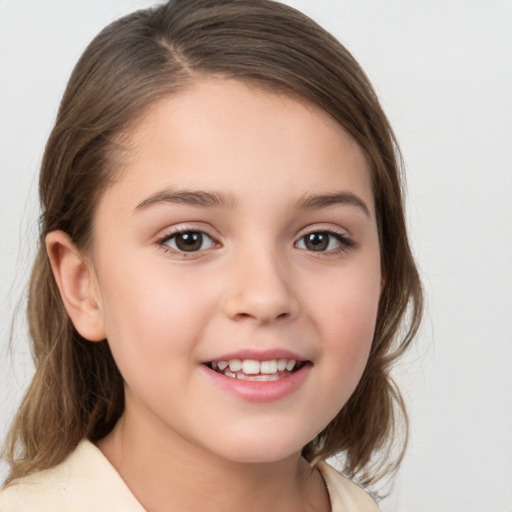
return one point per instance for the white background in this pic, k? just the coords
(443, 69)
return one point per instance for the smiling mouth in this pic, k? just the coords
(250, 369)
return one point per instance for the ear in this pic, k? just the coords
(383, 277)
(78, 286)
(383, 282)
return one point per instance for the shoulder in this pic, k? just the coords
(85, 481)
(345, 495)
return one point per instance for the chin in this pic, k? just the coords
(263, 449)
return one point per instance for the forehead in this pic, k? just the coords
(220, 133)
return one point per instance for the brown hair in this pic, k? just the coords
(77, 391)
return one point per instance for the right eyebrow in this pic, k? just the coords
(201, 198)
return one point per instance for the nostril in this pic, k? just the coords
(243, 315)
(262, 303)
(262, 317)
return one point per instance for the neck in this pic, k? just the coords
(166, 474)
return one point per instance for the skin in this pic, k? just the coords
(253, 285)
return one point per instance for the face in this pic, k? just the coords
(237, 271)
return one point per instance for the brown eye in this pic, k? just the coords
(322, 241)
(189, 241)
(316, 241)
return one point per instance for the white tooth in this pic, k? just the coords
(235, 365)
(222, 365)
(214, 365)
(281, 365)
(267, 378)
(242, 376)
(268, 367)
(290, 365)
(250, 367)
(227, 373)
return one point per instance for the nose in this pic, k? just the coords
(260, 290)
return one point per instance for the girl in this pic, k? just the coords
(222, 277)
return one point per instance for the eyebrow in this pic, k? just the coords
(206, 199)
(331, 199)
(199, 198)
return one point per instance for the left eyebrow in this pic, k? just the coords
(325, 200)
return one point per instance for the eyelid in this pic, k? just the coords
(345, 239)
(172, 231)
(325, 228)
(183, 227)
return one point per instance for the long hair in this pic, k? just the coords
(77, 391)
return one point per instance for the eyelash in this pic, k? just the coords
(164, 240)
(345, 242)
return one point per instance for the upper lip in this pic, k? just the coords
(258, 355)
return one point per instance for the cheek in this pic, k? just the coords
(346, 318)
(150, 313)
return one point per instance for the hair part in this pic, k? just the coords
(77, 390)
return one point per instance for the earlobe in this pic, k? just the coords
(383, 279)
(383, 282)
(76, 280)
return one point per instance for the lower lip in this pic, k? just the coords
(260, 391)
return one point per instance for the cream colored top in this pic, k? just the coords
(87, 482)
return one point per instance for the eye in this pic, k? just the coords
(323, 241)
(188, 241)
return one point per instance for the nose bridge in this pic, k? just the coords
(260, 285)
